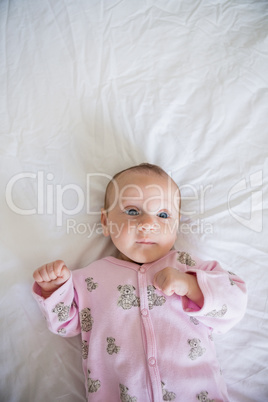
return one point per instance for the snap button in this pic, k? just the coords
(142, 270)
(152, 361)
(144, 312)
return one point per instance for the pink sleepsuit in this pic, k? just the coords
(139, 344)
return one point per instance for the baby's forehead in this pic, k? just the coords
(143, 185)
(133, 176)
(133, 182)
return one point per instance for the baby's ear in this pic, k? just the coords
(104, 222)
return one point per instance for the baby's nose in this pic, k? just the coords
(147, 225)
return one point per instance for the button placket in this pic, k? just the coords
(152, 361)
(144, 312)
(142, 270)
(149, 339)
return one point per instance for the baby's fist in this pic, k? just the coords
(51, 276)
(170, 280)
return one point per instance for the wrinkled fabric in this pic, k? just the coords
(89, 88)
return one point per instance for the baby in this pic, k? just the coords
(146, 317)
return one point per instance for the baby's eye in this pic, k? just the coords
(131, 211)
(163, 215)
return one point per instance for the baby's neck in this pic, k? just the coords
(121, 256)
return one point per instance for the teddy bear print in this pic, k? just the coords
(90, 284)
(153, 299)
(84, 350)
(167, 396)
(111, 346)
(220, 313)
(86, 319)
(185, 259)
(232, 283)
(92, 385)
(196, 350)
(61, 331)
(74, 304)
(124, 397)
(62, 311)
(203, 397)
(231, 273)
(230, 279)
(194, 320)
(127, 297)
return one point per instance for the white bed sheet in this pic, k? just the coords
(90, 87)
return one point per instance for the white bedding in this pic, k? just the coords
(91, 87)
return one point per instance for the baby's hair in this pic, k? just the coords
(142, 167)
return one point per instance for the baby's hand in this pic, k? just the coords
(170, 280)
(51, 276)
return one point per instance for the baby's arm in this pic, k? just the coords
(51, 276)
(170, 280)
(223, 299)
(55, 294)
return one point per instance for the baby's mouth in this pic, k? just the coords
(145, 241)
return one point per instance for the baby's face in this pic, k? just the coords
(143, 216)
